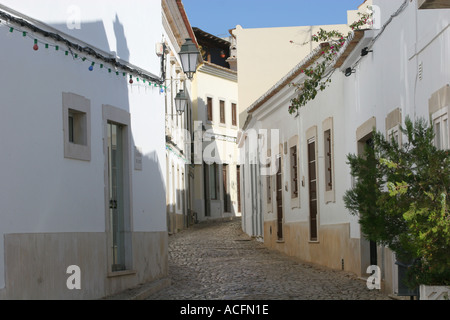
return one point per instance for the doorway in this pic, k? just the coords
(369, 255)
(116, 195)
(226, 195)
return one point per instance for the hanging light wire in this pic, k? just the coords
(76, 50)
(383, 28)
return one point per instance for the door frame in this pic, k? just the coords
(122, 118)
(367, 250)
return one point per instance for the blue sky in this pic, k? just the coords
(218, 16)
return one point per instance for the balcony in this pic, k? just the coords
(434, 4)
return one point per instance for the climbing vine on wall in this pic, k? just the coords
(317, 78)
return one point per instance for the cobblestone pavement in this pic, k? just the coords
(217, 261)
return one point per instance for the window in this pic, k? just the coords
(269, 189)
(178, 189)
(394, 134)
(328, 161)
(393, 121)
(222, 111)
(313, 206)
(209, 109)
(438, 107)
(441, 131)
(291, 150)
(328, 150)
(294, 172)
(76, 126)
(234, 114)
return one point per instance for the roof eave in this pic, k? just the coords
(349, 46)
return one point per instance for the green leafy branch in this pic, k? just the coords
(316, 78)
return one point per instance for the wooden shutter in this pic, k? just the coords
(234, 114)
(210, 110)
(222, 111)
(312, 191)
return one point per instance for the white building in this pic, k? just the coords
(299, 206)
(216, 126)
(82, 172)
(179, 127)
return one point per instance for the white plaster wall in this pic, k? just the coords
(388, 78)
(41, 191)
(327, 104)
(207, 85)
(105, 24)
(265, 55)
(149, 190)
(384, 80)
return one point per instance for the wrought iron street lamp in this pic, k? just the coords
(181, 102)
(189, 58)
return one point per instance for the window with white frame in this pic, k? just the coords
(393, 122)
(394, 134)
(438, 108)
(328, 149)
(76, 127)
(328, 161)
(269, 189)
(292, 151)
(294, 171)
(441, 129)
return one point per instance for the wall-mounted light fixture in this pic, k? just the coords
(365, 51)
(181, 102)
(189, 58)
(349, 71)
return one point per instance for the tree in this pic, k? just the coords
(402, 199)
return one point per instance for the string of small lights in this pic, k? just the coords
(54, 41)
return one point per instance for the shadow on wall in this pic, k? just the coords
(148, 175)
(94, 33)
(121, 42)
(53, 228)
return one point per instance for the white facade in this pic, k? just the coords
(179, 128)
(55, 206)
(406, 74)
(218, 86)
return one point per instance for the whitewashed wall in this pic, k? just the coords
(218, 88)
(41, 191)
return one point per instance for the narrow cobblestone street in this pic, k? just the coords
(217, 261)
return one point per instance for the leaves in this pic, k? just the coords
(317, 80)
(402, 197)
